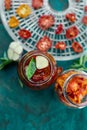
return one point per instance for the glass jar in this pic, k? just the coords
(42, 78)
(71, 88)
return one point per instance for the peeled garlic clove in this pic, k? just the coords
(15, 57)
(19, 49)
(10, 54)
(41, 62)
(13, 45)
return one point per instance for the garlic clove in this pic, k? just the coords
(15, 57)
(19, 50)
(10, 53)
(41, 62)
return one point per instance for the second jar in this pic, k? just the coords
(71, 88)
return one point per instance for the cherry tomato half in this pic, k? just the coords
(23, 33)
(7, 4)
(84, 20)
(71, 17)
(13, 22)
(44, 44)
(77, 47)
(59, 29)
(46, 21)
(36, 4)
(60, 45)
(23, 11)
(72, 32)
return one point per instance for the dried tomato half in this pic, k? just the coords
(23, 10)
(23, 33)
(7, 4)
(84, 20)
(60, 45)
(36, 4)
(46, 21)
(59, 29)
(72, 32)
(77, 47)
(44, 44)
(13, 22)
(71, 17)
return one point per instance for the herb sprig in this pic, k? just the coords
(80, 64)
(4, 61)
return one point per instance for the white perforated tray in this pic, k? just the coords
(31, 24)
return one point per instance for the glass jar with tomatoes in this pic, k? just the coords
(37, 69)
(71, 88)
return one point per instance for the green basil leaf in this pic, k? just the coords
(31, 68)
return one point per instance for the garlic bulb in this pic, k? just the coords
(14, 51)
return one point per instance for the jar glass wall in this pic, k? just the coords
(71, 88)
(42, 78)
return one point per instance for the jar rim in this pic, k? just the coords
(81, 73)
(33, 53)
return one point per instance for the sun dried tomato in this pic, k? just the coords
(23, 10)
(46, 21)
(84, 20)
(72, 32)
(71, 17)
(77, 47)
(13, 22)
(23, 33)
(7, 4)
(77, 89)
(36, 4)
(59, 29)
(60, 45)
(44, 44)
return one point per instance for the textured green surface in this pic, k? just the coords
(24, 109)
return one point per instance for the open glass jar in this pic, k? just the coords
(71, 88)
(42, 78)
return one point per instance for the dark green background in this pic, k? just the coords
(24, 109)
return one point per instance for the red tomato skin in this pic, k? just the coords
(59, 29)
(7, 4)
(72, 32)
(44, 44)
(36, 4)
(46, 21)
(77, 47)
(60, 45)
(71, 17)
(84, 20)
(25, 34)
